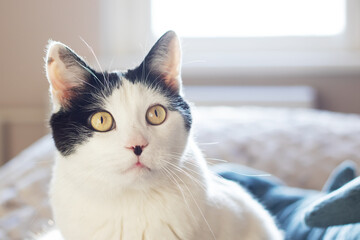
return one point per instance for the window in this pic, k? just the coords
(233, 33)
(243, 18)
(261, 25)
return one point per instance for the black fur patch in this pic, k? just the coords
(70, 125)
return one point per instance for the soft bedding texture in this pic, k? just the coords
(301, 147)
(330, 214)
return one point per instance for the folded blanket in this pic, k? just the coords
(332, 214)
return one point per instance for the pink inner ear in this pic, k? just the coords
(61, 88)
(173, 66)
(172, 82)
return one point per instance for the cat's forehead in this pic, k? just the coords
(130, 95)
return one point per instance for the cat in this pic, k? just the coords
(127, 166)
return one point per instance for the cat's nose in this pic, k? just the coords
(137, 149)
(137, 144)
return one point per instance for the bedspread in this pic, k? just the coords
(299, 146)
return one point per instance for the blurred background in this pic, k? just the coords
(280, 53)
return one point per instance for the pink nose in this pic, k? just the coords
(137, 145)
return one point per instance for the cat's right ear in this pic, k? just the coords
(164, 60)
(66, 73)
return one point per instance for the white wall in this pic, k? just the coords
(27, 25)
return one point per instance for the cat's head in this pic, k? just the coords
(119, 128)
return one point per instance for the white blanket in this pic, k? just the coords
(299, 146)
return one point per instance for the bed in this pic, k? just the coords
(300, 146)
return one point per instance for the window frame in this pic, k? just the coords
(134, 38)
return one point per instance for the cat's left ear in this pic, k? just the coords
(66, 72)
(164, 59)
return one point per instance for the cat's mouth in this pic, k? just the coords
(138, 166)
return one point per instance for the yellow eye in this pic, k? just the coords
(102, 121)
(156, 115)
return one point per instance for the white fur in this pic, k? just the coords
(92, 197)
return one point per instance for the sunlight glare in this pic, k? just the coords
(244, 18)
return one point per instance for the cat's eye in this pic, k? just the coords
(102, 121)
(156, 115)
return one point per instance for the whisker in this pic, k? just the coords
(85, 82)
(197, 205)
(109, 68)
(98, 63)
(216, 159)
(183, 166)
(180, 188)
(181, 170)
(89, 71)
(195, 164)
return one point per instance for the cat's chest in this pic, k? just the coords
(130, 217)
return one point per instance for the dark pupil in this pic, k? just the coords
(156, 114)
(102, 120)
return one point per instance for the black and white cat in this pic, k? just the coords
(127, 166)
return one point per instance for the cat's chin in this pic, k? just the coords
(137, 174)
(137, 169)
